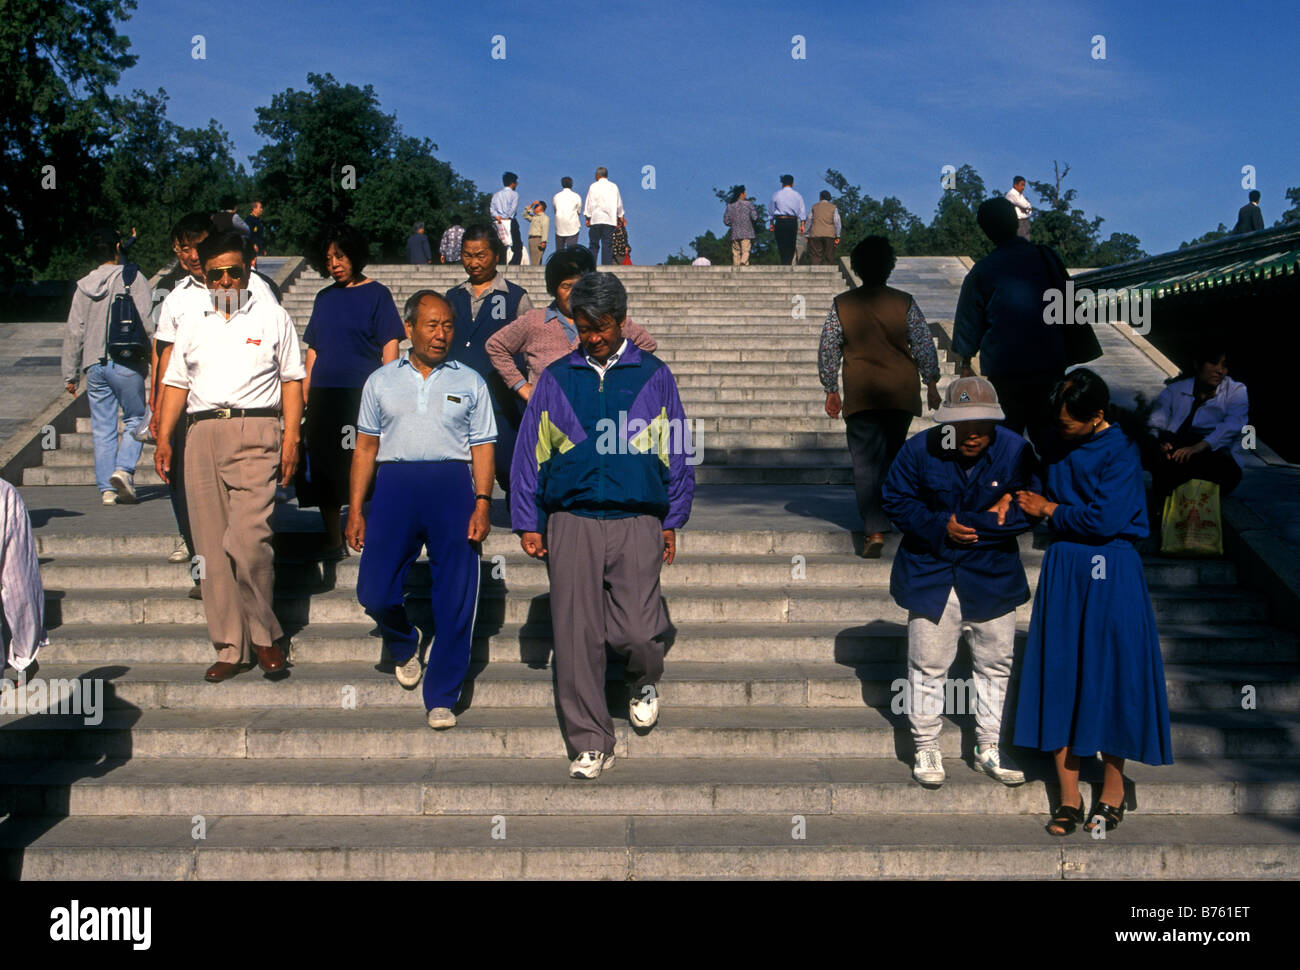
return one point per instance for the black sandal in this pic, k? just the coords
(1108, 814)
(1066, 818)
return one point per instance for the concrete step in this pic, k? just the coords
(531, 604)
(878, 641)
(640, 847)
(514, 568)
(686, 684)
(385, 788)
(520, 733)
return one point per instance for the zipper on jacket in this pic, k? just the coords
(604, 403)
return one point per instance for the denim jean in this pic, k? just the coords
(110, 386)
(602, 243)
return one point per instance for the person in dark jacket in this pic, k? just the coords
(956, 575)
(604, 471)
(1000, 317)
(418, 251)
(1249, 216)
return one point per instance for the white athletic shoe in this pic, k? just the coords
(409, 673)
(179, 553)
(441, 717)
(124, 482)
(998, 764)
(643, 710)
(108, 498)
(928, 767)
(590, 764)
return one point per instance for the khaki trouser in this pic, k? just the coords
(740, 252)
(231, 467)
(535, 246)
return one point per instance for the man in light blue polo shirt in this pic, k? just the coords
(788, 218)
(427, 423)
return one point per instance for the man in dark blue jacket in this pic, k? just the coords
(603, 470)
(958, 569)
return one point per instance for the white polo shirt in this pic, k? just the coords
(235, 363)
(604, 206)
(568, 212)
(192, 296)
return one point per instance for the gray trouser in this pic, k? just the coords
(1022, 228)
(604, 589)
(931, 649)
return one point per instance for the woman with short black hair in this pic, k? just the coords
(354, 330)
(1092, 679)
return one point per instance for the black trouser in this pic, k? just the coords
(516, 242)
(180, 508)
(1024, 402)
(1216, 466)
(787, 227)
(875, 437)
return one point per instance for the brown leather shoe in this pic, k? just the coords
(221, 670)
(270, 659)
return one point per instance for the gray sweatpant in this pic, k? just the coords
(604, 590)
(931, 649)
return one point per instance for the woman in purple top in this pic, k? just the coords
(354, 329)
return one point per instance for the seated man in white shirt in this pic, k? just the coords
(234, 370)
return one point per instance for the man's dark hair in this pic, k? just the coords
(566, 182)
(542, 204)
(873, 260)
(349, 240)
(1017, 180)
(1254, 195)
(508, 178)
(223, 242)
(1209, 349)
(417, 227)
(191, 226)
(825, 195)
(227, 202)
(596, 294)
(787, 180)
(566, 264)
(412, 305)
(998, 218)
(1082, 393)
(734, 194)
(101, 244)
(482, 231)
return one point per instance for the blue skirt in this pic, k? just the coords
(1092, 678)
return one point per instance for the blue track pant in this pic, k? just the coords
(423, 504)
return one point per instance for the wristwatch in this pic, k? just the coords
(485, 498)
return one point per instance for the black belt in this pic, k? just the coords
(235, 413)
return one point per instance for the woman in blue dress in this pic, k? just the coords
(1092, 679)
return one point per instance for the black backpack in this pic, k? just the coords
(125, 339)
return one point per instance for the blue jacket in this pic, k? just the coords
(603, 447)
(470, 344)
(925, 486)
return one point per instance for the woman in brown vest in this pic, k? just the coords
(881, 336)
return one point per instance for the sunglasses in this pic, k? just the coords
(217, 272)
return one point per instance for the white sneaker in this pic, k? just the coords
(441, 717)
(928, 767)
(998, 764)
(124, 482)
(409, 673)
(590, 764)
(108, 498)
(644, 710)
(179, 553)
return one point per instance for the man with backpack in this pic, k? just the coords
(107, 340)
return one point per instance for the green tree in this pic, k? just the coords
(862, 216)
(1121, 247)
(1292, 214)
(954, 230)
(1210, 236)
(60, 60)
(1059, 225)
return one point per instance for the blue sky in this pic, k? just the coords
(1156, 134)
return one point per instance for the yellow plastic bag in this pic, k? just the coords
(1191, 524)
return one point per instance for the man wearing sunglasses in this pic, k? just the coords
(234, 371)
(188, 294)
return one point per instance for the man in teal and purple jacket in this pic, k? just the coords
(603, 468)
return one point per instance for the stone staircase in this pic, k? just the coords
(777, 754)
